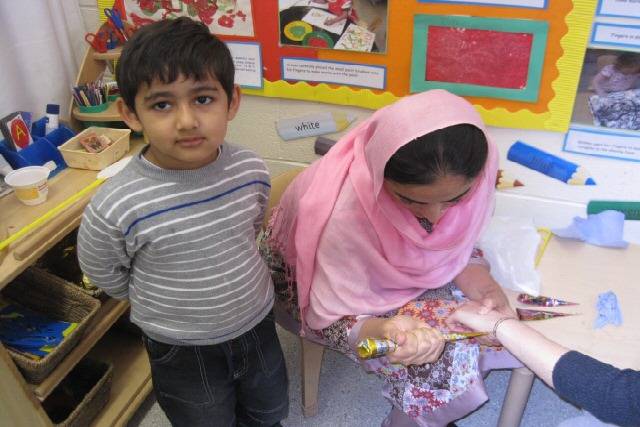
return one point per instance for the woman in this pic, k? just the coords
(371, 240)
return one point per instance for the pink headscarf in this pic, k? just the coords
(355, 250)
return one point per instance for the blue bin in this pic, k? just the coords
(42, 150)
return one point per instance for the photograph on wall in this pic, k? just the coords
(354, 25)
(224, 17)
(609, 90)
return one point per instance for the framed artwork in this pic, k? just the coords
(489, 57)
(369, 53)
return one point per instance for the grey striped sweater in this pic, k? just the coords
(181, 246)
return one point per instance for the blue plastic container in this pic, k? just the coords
(43, 149)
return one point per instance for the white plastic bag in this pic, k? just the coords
(510, 246)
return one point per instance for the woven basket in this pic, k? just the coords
(93, 401)
(52, 296)
(61, 263)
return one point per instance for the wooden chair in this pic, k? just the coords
(310, 352)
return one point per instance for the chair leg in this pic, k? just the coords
(311, 361)
(515, 400)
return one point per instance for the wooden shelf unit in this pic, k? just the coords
(20, 402)
(110, 311)
(109, 115)
(131, 376)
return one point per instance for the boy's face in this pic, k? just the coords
(184, 121)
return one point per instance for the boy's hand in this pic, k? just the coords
(417, 342)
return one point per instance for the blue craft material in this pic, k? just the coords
(29, 332)
(603, 229)
(544, 162)
(608, 310)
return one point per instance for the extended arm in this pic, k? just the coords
(611, 394)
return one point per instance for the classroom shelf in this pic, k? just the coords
(16, 215)
(109, 115)
(131, 376)
(110, 55)
(110, 311)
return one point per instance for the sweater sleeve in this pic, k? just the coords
(609, 393)
(102, 254)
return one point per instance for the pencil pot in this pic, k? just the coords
(91, 109)
(52, 297)
(81, 395)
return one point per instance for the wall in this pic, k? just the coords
(549, 202)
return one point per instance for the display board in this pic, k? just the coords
(517, 61)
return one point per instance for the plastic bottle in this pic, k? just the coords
(53, 111)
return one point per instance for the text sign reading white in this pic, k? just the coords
(333, 72)
(247, 62)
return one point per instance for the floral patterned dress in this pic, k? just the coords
(432, 394)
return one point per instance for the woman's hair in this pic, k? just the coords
(628, 59)
(455, 150)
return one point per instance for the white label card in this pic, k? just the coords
(248, 63)
(603, 144)
(630, 8)
(333, 72)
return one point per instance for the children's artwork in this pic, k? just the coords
(533, 87)
(16, 132)
(542, 301)
(527, 314)
(356, 38)
(319, 18)
(500, 58)
(333, 24)
(224, 17)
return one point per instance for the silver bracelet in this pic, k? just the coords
(493, 335)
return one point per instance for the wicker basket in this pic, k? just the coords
(90, 384)
(54, 297)
(62, 261)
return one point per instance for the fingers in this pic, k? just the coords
(422, 345)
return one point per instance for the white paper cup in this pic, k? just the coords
(29, 184)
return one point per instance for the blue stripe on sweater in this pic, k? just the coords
(197, 202)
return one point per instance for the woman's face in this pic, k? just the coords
(430, 201)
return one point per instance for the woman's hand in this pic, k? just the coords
(475, 316)
(495, 299)
(417, 342)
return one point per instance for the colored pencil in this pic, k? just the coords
(504, 180)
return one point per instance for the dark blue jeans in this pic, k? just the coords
(241, 382)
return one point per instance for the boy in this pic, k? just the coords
(174, 233)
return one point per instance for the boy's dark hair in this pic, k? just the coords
(628, 59)
(165, 49)
(455, 150)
